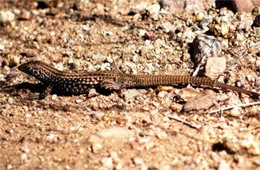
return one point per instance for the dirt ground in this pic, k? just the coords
(136, 128)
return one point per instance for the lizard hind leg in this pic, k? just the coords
(110, 84)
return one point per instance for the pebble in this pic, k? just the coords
(79, 101)
(258, 82)
(59, 66)
(246, 21)
(188, 93)
(257, 161)
(168, 27)
(114, 157)
(235, 112)
(256, 11)
(51, 137)
(142, 32)
(98, 115)
(215, 66)
(6, 16)
(139, 7)
(130, 94)
(223, 165)
(149, 35)
(9, 131)
(107, 162)
(86, 29)
(99, 10)
(154, 11)
(54, 97)
(24, 157)
(25, 148)
(246, 143)
(202, 101)
(205, 45)
(25, 15)
(96, 147)
(138, 161)
(2, 47)
(9, 166)
(161, 134)
(82, 4)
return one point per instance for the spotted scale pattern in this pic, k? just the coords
(79, 83)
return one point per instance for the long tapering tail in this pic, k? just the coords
(169, 80)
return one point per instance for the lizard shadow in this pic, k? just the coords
(40, 88)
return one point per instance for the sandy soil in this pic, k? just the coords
(134, 129)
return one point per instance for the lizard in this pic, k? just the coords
(80, 83)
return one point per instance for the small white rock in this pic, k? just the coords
(24, 157)
(6, 16)
(79, 101)
(107, 162)
(2, 47)
(25, 148)
(223, 165)
(154, 11)
(96, 147)
(215, 66)
(54, 97)
(138, 161)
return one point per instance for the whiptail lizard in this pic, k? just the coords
(80, 83)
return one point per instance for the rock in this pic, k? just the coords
(98, 115)
(246, 21)
(205, 45)
(168, 27)
(24, 157)
(256, 11)
(179, 6)
(82, 4)
(107, 162)
(150, 35)
(188, 93)
(139, 7)
(130, 94)
(24, 15)
(245, 5)
(99, 10)
(154, 11)
(223, 165)
(2, 47)
(244, 144)
(215, 66)
(235, 112)
(96, 147)
(258, 82)
(202, 101)
(25, 148)
(138, 161)
(6, 17)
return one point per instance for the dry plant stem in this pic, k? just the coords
(203, 59)
(177, 118)
(237, 61)
(231, 107)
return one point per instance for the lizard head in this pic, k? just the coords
(30, 67)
